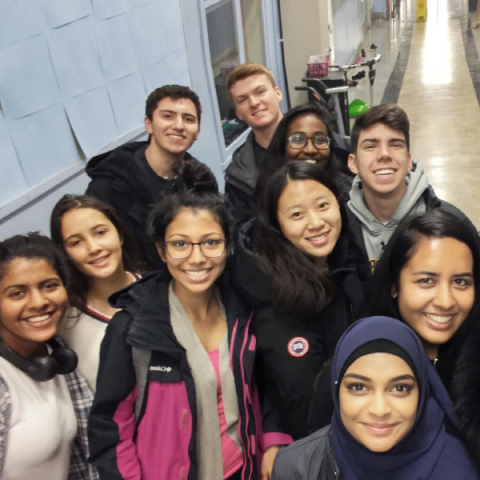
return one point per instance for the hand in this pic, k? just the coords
(267, 461)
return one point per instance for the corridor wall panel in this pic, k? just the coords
(74, 77)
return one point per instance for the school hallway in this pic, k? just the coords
(431, 69)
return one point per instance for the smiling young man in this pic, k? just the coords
(388, 185)
(256, 98)
(132, 177)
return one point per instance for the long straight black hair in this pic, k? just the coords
(400, 249)
(299, 286)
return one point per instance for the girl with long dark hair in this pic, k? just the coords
(102, 258)
(176, 396)
(427, 278)
(292, 263)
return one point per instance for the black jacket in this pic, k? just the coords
(118, 180)
(466, 388)
(241, 177)
(311, 458)
(291, 351)
(431, 202)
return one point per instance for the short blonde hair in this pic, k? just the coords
(247, 70)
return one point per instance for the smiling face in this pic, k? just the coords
(257, 101)
(310, 125)
(378, 398)
(174, 126)
(382, 160)
(32, 303)
(196, 273)
(309, 217)
(92, 242)
(436, 290)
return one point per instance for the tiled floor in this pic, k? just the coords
(433, 63)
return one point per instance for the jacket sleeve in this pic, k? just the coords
(112, 424)
(321, 406)
(240, 204)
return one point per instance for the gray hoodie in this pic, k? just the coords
(375, 233)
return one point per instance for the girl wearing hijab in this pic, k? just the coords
(393, 417)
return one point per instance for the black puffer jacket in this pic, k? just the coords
(311, 458)
(118, 180)
(466, 393)
(291, 351)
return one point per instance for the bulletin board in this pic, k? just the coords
(74, 77)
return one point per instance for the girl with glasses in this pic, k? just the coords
(175, 393)
(292, 264)
(102, 259)
(392, 419)
(305, 133)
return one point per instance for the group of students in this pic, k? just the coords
(152, 338)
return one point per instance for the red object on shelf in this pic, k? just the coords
(319, 69)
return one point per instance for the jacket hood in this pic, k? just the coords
(254, 282)
(107, 163)
(242, 167)
(417, 183)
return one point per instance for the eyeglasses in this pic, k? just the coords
(180, 249)
(298, 140)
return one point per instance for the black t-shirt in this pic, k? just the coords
(258, 153)
(154, 184)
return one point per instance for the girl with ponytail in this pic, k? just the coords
(175, 392)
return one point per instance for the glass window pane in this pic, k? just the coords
(253, 31)
(222, 39)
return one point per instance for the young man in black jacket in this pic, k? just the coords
(132, 177)
(256, 98)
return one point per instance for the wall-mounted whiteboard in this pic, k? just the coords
(74, 77)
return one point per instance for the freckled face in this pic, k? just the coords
(378, 398)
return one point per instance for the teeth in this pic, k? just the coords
(386, 171)
(197, 273)
(99, 260)
(439, 318)
(311, 160)
(39, 319)
(176, 137)
(319, 237)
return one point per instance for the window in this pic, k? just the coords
(232, 43)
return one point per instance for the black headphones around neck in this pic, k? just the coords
(61, 361)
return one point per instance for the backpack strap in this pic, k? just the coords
(141, 363)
